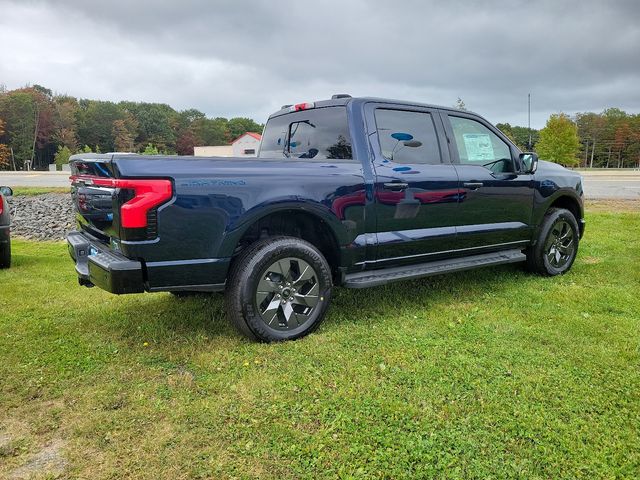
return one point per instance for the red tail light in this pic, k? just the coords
(148, 193)
(1, 205)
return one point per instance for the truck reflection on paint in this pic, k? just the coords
(410, 197)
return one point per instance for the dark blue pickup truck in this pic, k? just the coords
(355, 192)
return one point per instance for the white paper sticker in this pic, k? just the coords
(479, 147)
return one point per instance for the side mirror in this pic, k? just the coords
(6, 191)
(530, 162)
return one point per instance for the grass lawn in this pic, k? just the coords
(33, 191)
(493, 373)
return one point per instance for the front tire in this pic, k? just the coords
(279, 289)
(557, 244)
(5, 255)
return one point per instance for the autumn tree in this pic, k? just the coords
(559, 140)
(65, 122)
(622, 138)
(185, 143)
(124, 133)
(5, 152)
(590, 126)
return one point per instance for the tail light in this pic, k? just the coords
(1, 205)
(144, 195)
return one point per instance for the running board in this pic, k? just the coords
(372, 278)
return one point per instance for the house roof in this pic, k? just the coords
(255, 135)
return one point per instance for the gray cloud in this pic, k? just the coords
(248, 58)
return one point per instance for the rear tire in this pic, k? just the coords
(5, 255)
(556, 247)
(279, 289)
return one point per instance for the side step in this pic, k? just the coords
(372, 278)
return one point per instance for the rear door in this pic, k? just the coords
(416, 186)
(496, 200)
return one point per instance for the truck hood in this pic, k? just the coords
(553, 177)
(555, 169)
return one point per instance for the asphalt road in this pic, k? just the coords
(597, 184)
(35, 179)
(612, 186)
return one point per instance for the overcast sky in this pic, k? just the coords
(238, 58)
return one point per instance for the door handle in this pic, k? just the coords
(472, 185)
(396, 186)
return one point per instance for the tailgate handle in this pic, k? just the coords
(472, 185)
(396, 186)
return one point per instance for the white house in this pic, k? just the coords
(246, 145)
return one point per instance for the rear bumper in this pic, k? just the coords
(97, 265)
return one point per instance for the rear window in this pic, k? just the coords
(320, 133)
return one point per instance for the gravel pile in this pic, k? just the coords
(42, 217)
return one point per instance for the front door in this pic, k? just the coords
(496, 201)
(416, 188)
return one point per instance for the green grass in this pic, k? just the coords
(33, 191)
(493, 373)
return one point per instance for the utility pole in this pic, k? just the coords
(529, 118)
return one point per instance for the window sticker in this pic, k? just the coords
(479, 147)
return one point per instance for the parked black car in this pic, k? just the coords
(355, 192)
(5, 228)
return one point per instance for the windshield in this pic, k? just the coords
(320, 133)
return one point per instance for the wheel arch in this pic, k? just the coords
(316, 227)
(563, 199)
(568, 203)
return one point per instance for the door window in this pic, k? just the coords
(478, 145)
(407, 137)
(317, 133)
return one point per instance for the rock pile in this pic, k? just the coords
(42, 217)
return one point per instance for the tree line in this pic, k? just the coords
(38, 127)
(610, 139)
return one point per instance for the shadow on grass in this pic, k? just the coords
(169, 318)
(18, 260)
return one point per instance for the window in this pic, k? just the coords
(407, 137)
(477, 145)
(318, 133)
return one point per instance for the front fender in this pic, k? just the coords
(563, 197)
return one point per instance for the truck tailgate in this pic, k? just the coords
(93, 204)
